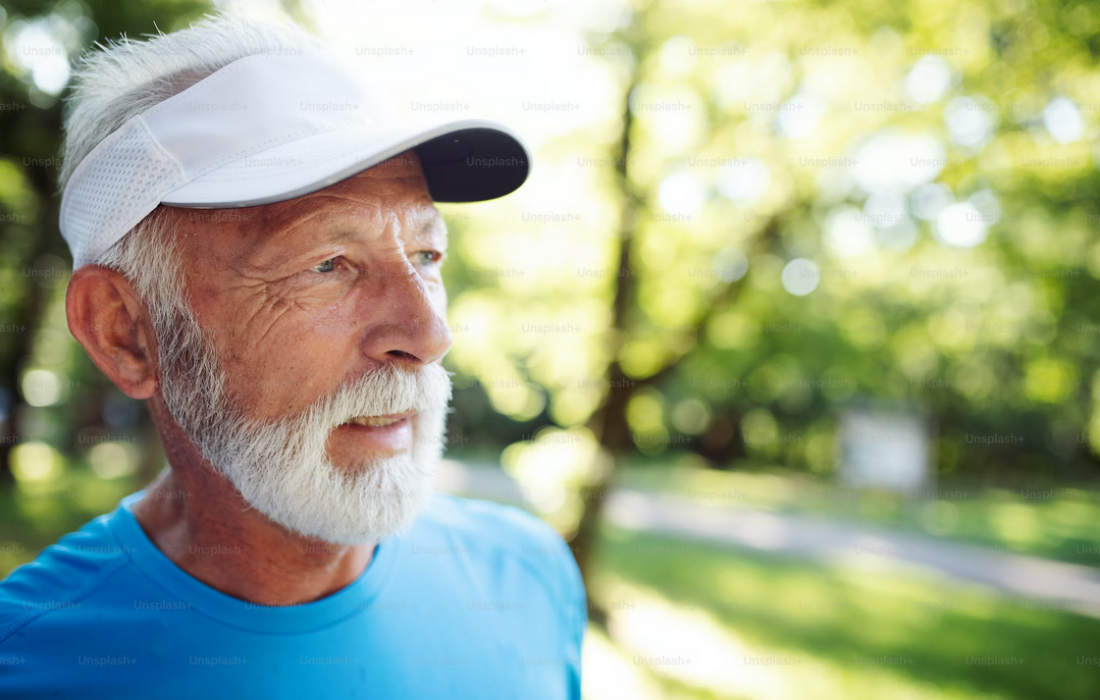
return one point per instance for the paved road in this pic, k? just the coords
(1047, 583)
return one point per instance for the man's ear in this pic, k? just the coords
(106, 316)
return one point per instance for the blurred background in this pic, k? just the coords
(794, 332)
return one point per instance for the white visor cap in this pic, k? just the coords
(268, 128)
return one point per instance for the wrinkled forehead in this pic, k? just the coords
(397, 197)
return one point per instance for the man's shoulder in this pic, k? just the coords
(60, 577)
(494, 525)
(486, 529)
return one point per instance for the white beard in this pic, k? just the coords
(281, 467)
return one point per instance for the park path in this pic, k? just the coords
(1045, 583)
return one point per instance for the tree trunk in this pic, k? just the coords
(610, 424)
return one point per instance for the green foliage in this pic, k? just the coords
(784, 131)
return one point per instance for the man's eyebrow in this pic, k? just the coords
(431, 221)
(422, 225)
(339, 235)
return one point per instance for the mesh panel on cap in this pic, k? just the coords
(127, 174)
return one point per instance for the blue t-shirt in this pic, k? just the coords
(477, 600)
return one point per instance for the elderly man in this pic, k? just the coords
(257, 254)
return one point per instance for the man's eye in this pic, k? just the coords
(327, 266)
(428, 257)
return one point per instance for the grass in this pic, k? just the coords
(801, 630)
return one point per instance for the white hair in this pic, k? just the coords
(127, 77)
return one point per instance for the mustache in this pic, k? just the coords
(383, 390)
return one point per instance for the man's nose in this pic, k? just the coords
(408, 326)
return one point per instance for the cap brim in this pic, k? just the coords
(470, 160)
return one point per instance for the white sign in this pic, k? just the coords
(884, 449)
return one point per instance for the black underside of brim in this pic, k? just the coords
(473, 165)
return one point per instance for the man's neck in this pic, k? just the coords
(200, 521)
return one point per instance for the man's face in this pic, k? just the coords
(316, 386)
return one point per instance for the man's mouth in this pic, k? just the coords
(379, 421)
(379, 435)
